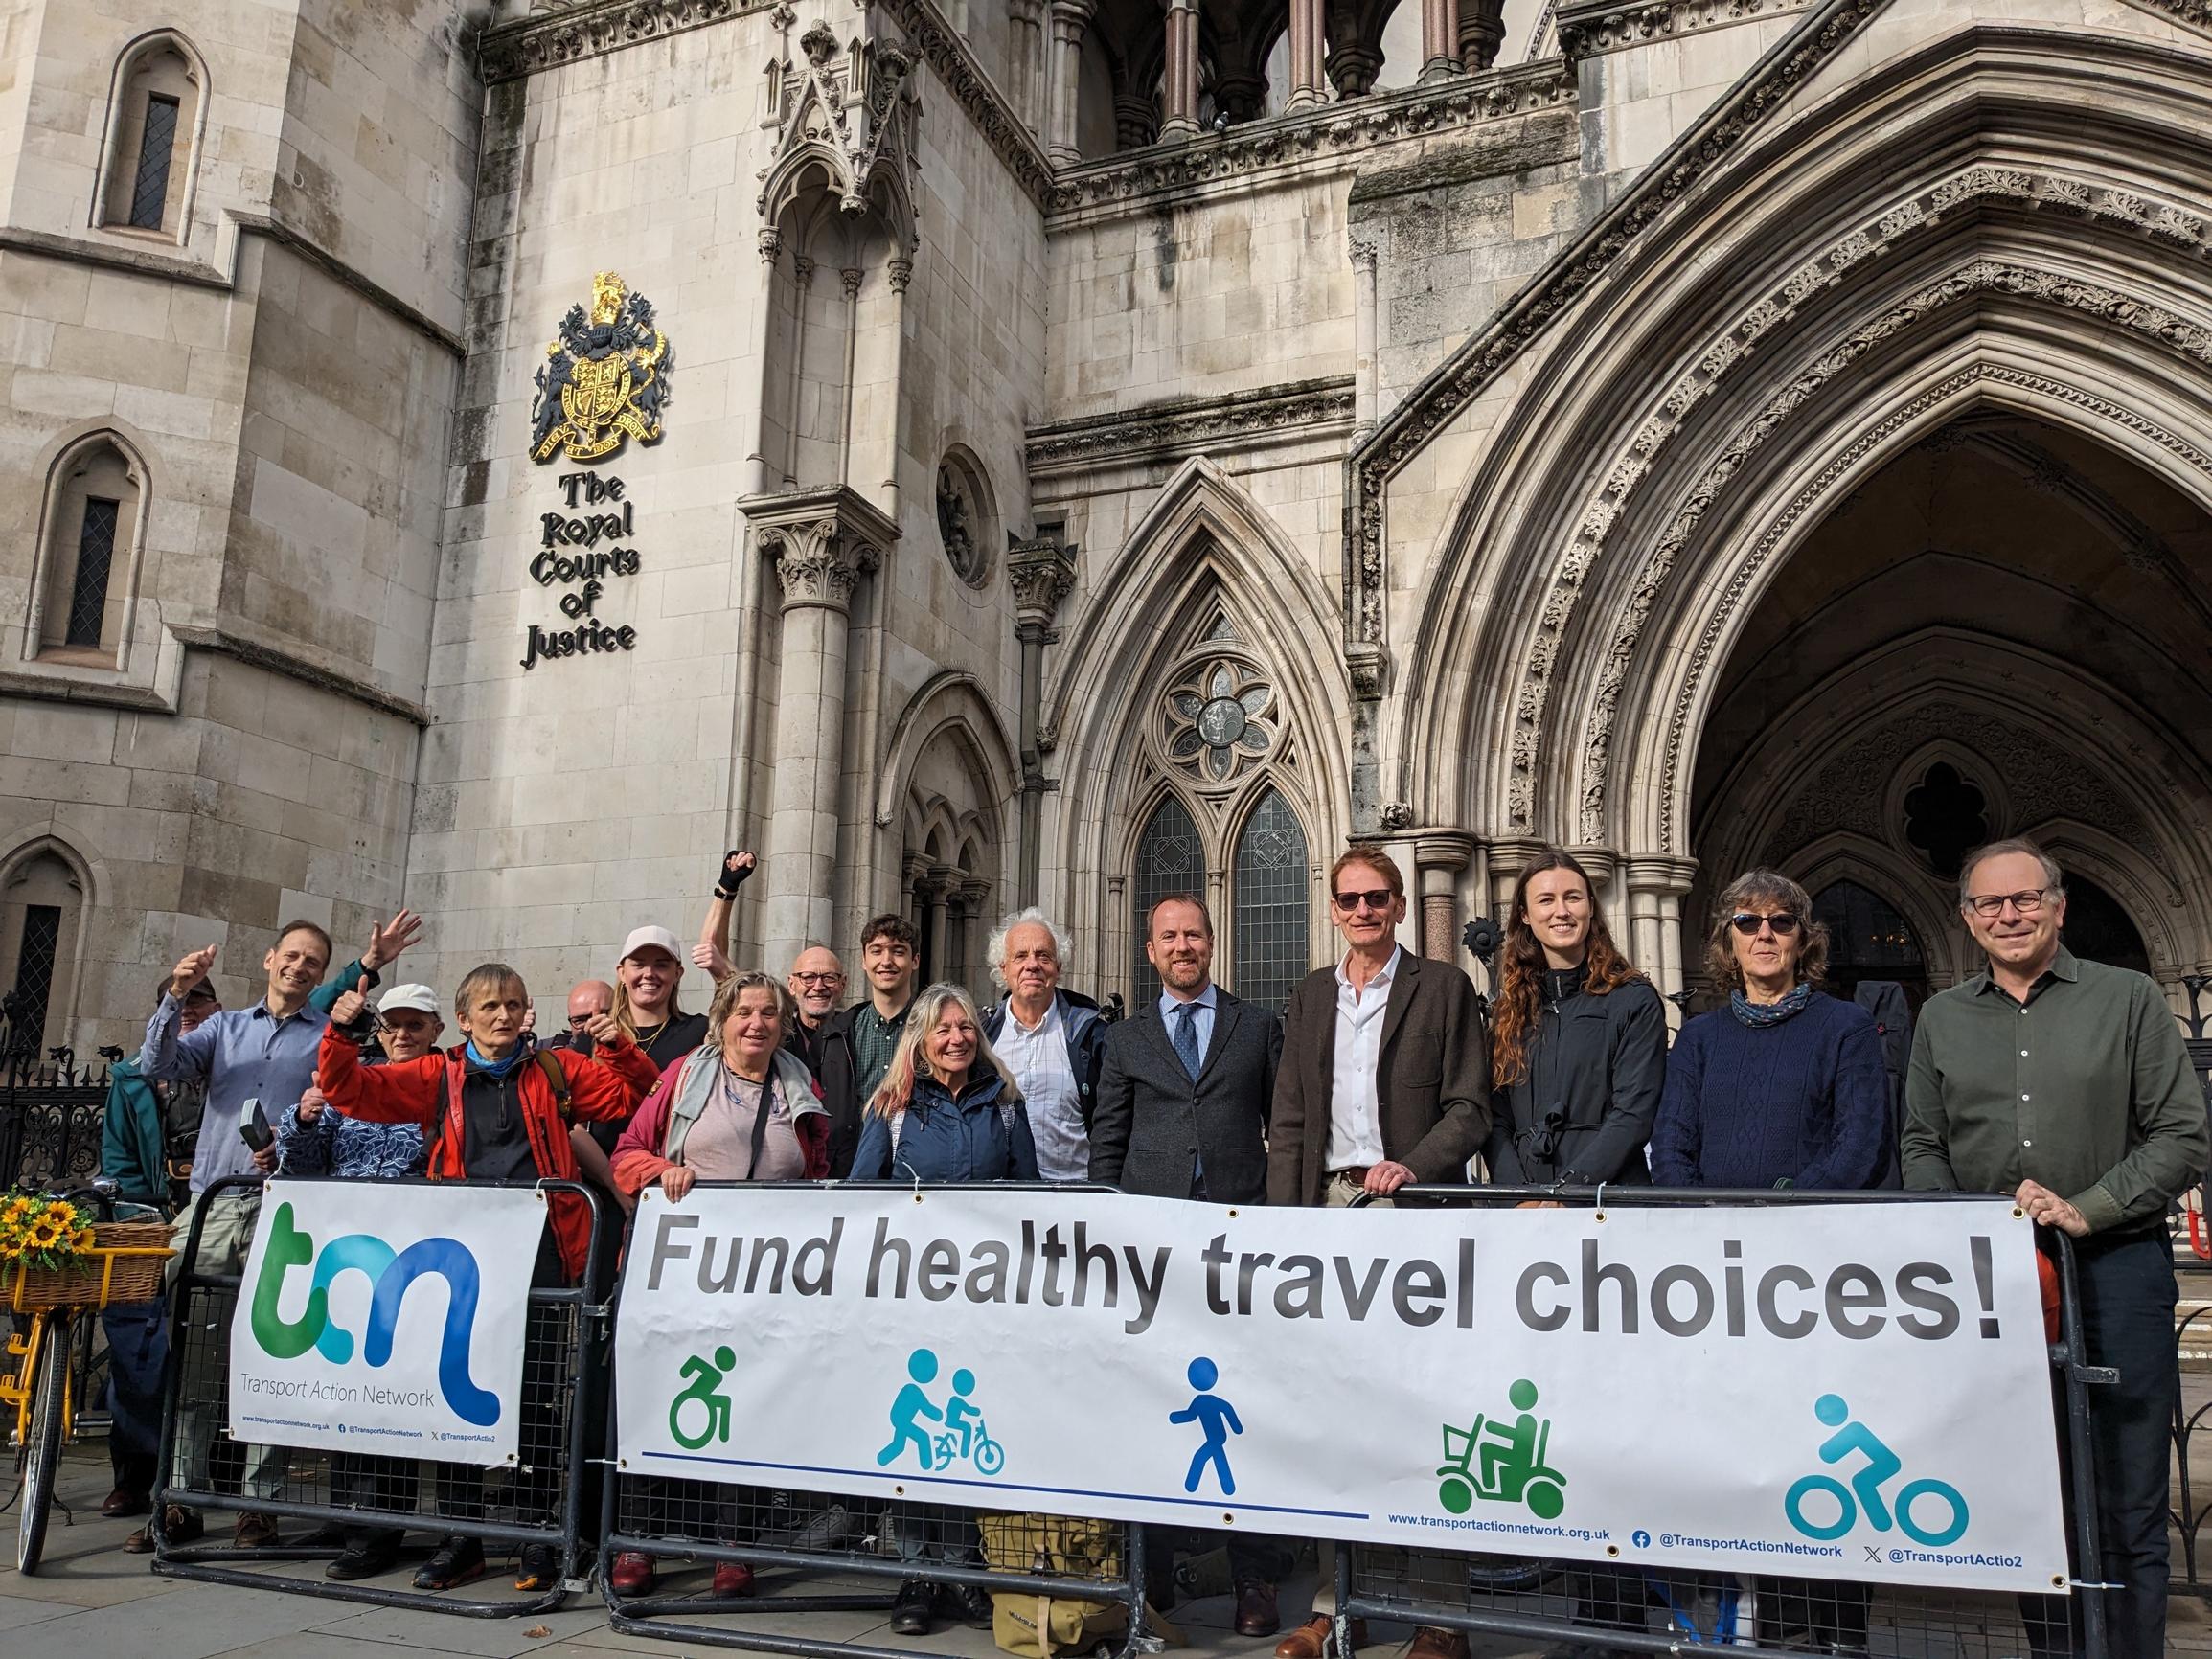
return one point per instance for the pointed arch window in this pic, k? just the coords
(153, 124)
(1270, 903)
(1170, 858)
(88, 555)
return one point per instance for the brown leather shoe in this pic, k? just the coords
(122, 1502)
(1257, 1614)
(182, 1525)
(254, 1530)
(1316, 1639)
(1430, 1642)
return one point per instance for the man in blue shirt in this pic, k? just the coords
(253, 1062)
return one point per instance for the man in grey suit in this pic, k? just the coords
(1183, 1092)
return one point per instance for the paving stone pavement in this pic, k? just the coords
(90, 1601)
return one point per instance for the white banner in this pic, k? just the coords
(1821, 1390)
(329, 1348)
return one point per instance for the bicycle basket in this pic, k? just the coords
(103, 1274)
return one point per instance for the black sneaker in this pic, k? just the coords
(539, 1569)
(457, 1561)
(366, 1555)
(910, 1613)
(968, 1604)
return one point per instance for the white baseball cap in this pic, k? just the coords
(418, 997)
(651, 939)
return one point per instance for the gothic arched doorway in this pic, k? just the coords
(1990, 636)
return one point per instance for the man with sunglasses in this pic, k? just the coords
(1384, 1080)
(2065, 1084)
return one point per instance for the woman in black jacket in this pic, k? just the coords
(1578, 1041)
(1578, 1062)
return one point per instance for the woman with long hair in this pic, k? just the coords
(1578, 1040)
(947, 1110)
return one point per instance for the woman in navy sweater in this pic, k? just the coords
(1784, 1086)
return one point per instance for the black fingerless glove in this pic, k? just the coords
(730, 877)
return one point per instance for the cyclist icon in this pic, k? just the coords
(1882, 1467)
(706, 1380)
(965, 1436)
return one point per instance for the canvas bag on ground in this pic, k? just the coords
(1040, 1626)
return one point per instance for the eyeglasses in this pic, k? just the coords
(818, 978)
(1782, 921)
(1993, 904)
(578, 1021)
(1375, 899)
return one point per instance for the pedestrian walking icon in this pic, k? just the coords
(1216, 1418)
(1864, 1494)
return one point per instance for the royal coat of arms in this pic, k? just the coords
(604, 380)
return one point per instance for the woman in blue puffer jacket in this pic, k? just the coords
(947, 1110)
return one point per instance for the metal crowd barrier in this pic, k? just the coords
(1626, 1608)
(824, 1553)
(2187, 1513)
(541, 1501)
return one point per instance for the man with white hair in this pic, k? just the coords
(1050, 1038)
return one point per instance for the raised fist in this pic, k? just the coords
(191, 971)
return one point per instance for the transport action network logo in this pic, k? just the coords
(389, 1272)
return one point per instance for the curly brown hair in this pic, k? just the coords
(1783, 894)
(1521, 967)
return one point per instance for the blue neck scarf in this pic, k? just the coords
(497, 1070)
(1759, 1014)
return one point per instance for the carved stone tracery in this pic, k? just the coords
(1732, 347)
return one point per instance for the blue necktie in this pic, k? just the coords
(1186, 1038)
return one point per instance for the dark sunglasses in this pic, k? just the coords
(1747, 924)
(1375, 899)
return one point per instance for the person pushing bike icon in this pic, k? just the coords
(1882, 1467)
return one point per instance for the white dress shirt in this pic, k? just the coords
(1039, 1062)
(1355, 1112)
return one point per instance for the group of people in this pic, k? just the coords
(2061, 1082)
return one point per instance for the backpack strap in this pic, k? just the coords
(556, 1078)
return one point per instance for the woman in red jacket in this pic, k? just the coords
(739, 1107)
(494, 1109)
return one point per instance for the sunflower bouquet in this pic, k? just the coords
(39, 1232)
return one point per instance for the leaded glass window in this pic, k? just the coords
(34, 989)
(1271, 900)
(1170, 859)
(88, 587)
(150, 190)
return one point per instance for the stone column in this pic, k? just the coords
(1181, 104)
(1655, 890)
(937, 893)
(1481, 33)
(1439, 39)
(1354, 58)
(1041, 573)
(1306, 43)
(1366, 392)
(1135, 123)
(1438, 858)
(1506, 860)
(974, 935)
(1027, 59)
(821, 543)
(1070, 21)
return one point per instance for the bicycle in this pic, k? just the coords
(1847, 1510)
(125, 1265)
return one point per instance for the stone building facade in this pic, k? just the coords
(494, 457)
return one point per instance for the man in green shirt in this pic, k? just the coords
(2065, 1084)
(854, 1046)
